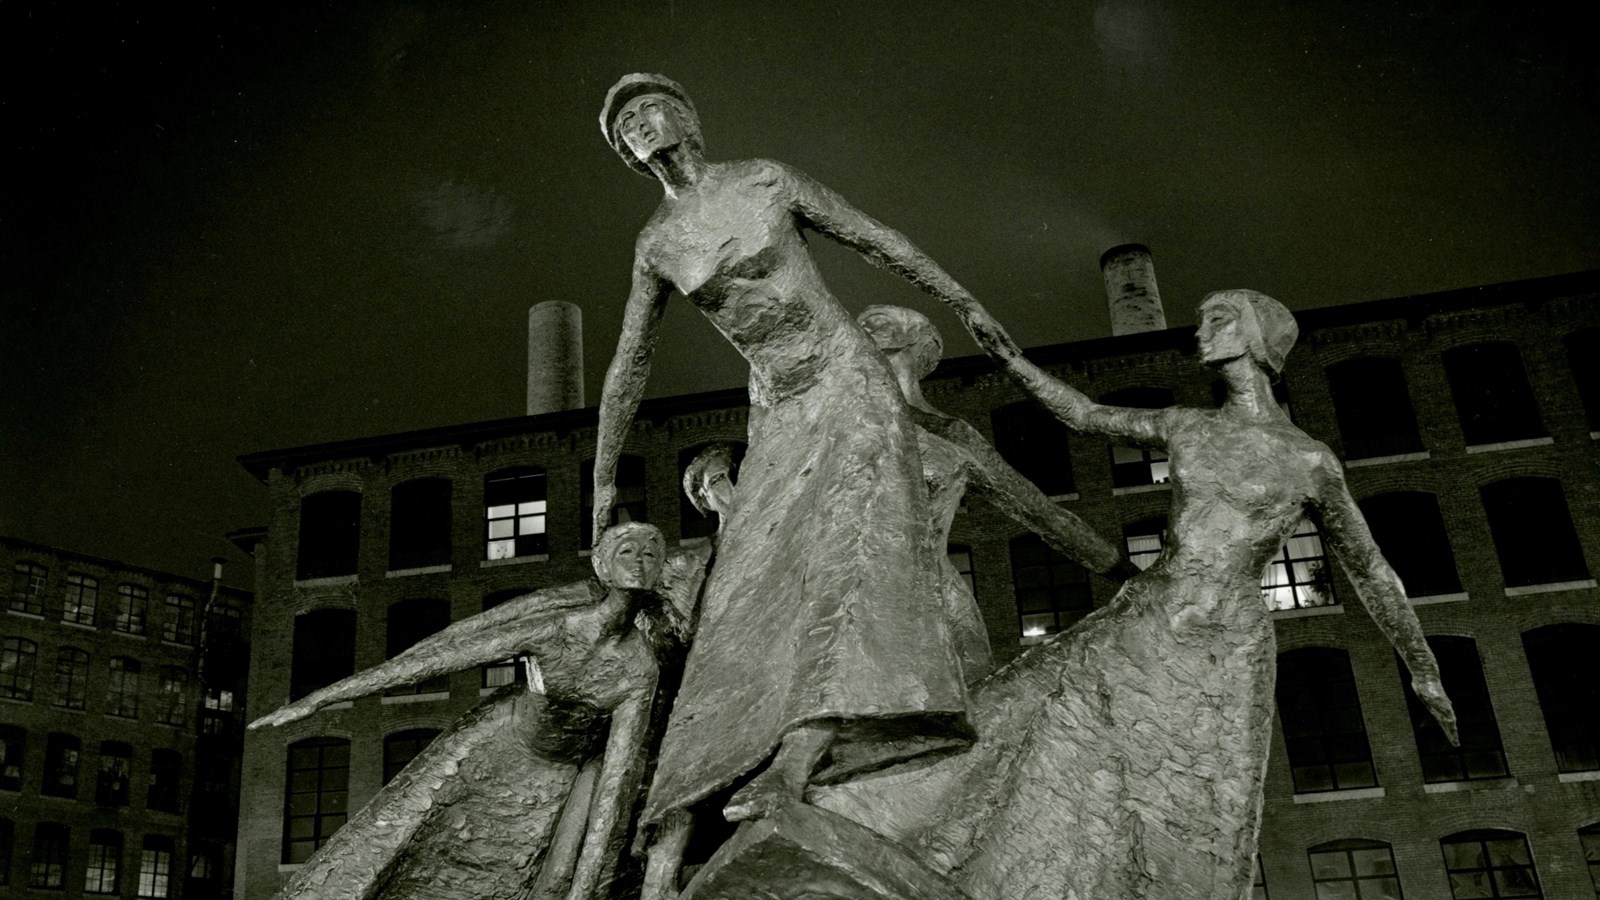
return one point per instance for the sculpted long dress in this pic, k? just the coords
(823, 603)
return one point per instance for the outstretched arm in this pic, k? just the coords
(625, 380)
(832, 215)
(620, 774)
(1379, 588)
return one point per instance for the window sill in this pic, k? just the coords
(26, 615)
(1332, 609)
(329, 581)
(1372, 793)
(400, 699)
(1510, 445)
(420, 570)
(286, 868)
(1063, 498)
(1572, 777)
(1476, 784)
(181, 645)
(79, 625)
(27, 702)
(1460, 597)
(1386, 460)
(75, 710)
(130, 634)
(1141, 489)
(1551, 588)
(513, 560)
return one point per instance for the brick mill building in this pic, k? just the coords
(1468, 422)
(120, 734)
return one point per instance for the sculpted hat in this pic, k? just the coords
(637, 85)
(1276, 324)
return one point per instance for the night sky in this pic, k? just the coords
(247, 228)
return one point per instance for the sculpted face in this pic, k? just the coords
(649, 124)
(632, 563)
(884, 330)
(1225, 333)
(716, 490)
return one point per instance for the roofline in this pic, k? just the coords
(1532, 291)
(156, 574)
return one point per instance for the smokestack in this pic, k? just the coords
(555, 357)
(1131, 289)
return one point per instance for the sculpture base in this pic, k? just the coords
(803, 851)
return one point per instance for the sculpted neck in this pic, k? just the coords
(1249, 390)
(679, 168)
(910, 386)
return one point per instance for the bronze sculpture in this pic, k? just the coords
(528, 795)
(806, 637)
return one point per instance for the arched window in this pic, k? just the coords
(1480, 754)
(1373, 408)
(1561, 660)
(691, 522)
(515, 513)
(1490, 863)
(1145, 539)
(105, 862)
(182, 626)
(166, 775)
(317, 795)
(18, 657)
(79, 600)
(1136, 466)
(507, 672)
(61, 758)
(27, 588)
(400, 748)
(13, 752)
(1322, 725)
(72, 678)
(324, 650)
(1491, 393)
(419, 523)
(1355, 869)
(47, 868)
(1583, 354)
(409, 622)
(133, 609)
(1410, 531)
(1052, 591)
(330, 534)
(1589, 835)
(630, 505)
(172, 702)
(1036, 444)
(155, 867)
(116, 770)
(122, 687)
(1533, 534)
(1298, 577)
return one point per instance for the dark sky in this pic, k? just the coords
(259, 226)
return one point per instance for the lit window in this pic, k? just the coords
(122, 687)
(61, 756)
(105, 861)
(1137, 466)
(1561, 660)
(79, 600)
(13, 748)
(1491, 394)
(630, 505)
(330, 535)
(516, 513)
(1372, 406)
(401, 748)
(48, 867)
(960, 556)
(1583, 353)
(1322, 725)
(72, 678)
(1052, 591)
(217, 711)
(419, 523)
(27, 588)
(1532, 530)
(172, 705)
(1035, 443)
(166, 771)
(17, 659)
(1590, 836)
(409, 622)
(324, 650)
(180, 627)
(1409, 529)
(155, 867)
(1480, 754)
(133, 608)
(317, 796)
(1145, 539)
(1354, 869)
(1489, 864)
(691, 522)
(1298, 577)
(508, 672)
(205, 863)
(116, 769)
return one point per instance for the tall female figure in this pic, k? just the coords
(820, 621)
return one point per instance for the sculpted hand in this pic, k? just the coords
(605, 496)
(285, 714)
(1432, 695)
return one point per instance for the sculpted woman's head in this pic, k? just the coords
(646, 114)
(1240, 322)
(630, 556)
(898, 330)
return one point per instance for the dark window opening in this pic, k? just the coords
(116, 770)
(1489, 863)
(72, 678)
(1491, 393)
(13, 752)
(133, 609)
(61, 757)
(516, 513)
(1480, 754)
(324, 650)
(960, 556)
(1533, 534)
(8, 831)
(330, 534)
(1589, 835)
(1138, 466)
(122, 687)
(79, 600)
(172, 704)
(1372, 406)
(18, 658)
(1561, 660)
(47, 869)
(400, 748)
(1583, 354)
(630, 505)
(419, 524)
(166, 771)
(1036, 444)
(316, 801)
(1409, 529)
(182, 625)
(409, 622)
(1052, 591)
(1354, 869)
(27, 588)
(1322, 725)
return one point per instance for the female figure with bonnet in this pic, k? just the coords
(527, 795)
(819, 625)
(1143, 732)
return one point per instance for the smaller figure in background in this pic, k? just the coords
(529, 794)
